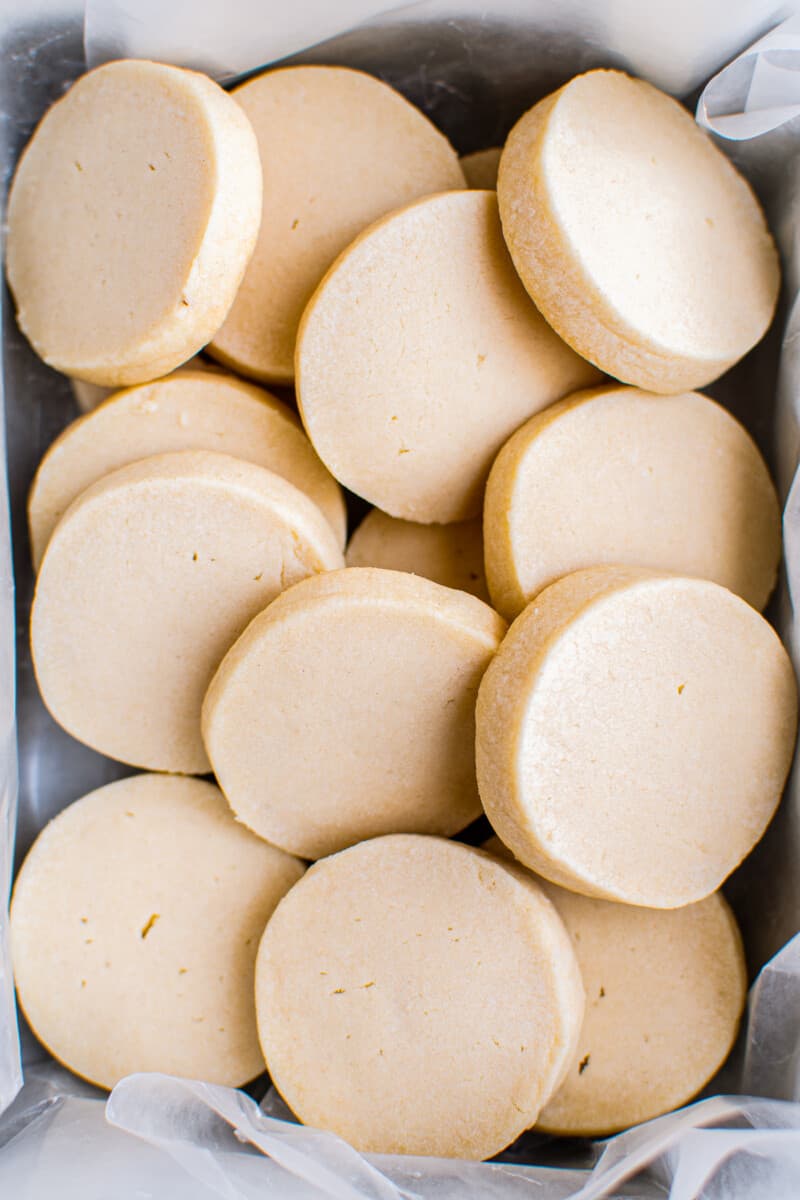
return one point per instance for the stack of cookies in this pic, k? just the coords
(550, 618)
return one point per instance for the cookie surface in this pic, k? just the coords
(635, 236)
(388, 959)
(448, 554)
(140, 192)
(435, 355)
(89, 395)
(480, 167)
(665, 991)
(328, 172)
(634, 734)
(347, 710)
(188, 410)
(147, 581)
(135, 923)
(617, 475)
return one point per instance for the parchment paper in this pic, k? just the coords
(473, 68)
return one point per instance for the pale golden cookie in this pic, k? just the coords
(339, 149)
(617, 475)
(347, 710)
(188, 410)
(148, 579)
(89, 395)
(140, 194)
(636, 237)
(134, 929)
(436, 984)
(664, 994)
(634, 734)
(480, 167)
(420, 354)
(448, 554)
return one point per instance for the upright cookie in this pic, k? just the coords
(435, 355)
(665, 992)
(634, 734)
(339, 149)
(148, 579)
(188, 410)
(448, 554)
(140, 192)
(480, 167)
(135, 923)
(621, 476)
(437, 984)
(347, 710)
(89, 395)
(638, 240)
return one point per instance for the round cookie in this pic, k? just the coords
(89, 395)
(434, 354)
(448, 554)
(637, 239)
(148, 579)
(140, 192)
(665, 990)
(617, 475)
(135, 923)
(347, 710)
(328, 172)
(634, 734)
(188, 410)
(388, 960)
(480, 167)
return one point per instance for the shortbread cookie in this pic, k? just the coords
(637, 238)
(347, 710)
(134, 929)
(619, 476)
(148, 579)
(132, 216)
(665, 992)
(188, 410)
(634, 734)
(339, 149)
(420, 354)
(448, 554)
(438, 986)
(89, 395)
(480, 167)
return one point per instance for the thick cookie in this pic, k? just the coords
(420, 354)
(339, 149)
(664, 994)
(634, 734)
(134, 929)
(448, 554)
(139, 193)
(148, 579)
(347, 710)
(438, 986)
(188, 410)
(637, 239)
(89, 395)
(621, 476)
